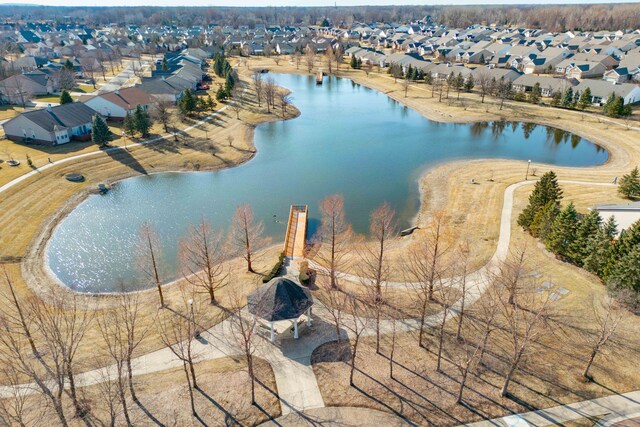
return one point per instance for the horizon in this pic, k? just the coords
(302, 3)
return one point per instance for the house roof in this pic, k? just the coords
(603, 88)
(280, 299)
(631, 206)
(60, 117)
(127, 98)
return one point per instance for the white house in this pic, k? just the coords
(51, 125)
(625, 214)
(115, 105)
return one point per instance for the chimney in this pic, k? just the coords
(49, 107)
(117, 91)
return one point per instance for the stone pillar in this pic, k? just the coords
(295, 329)
(273, 333)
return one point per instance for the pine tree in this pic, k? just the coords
(567, 97)
(354, 62)
(599, 249)
(188, 103)
(65, 97)
(608, 103)
(546, 190)
(229, 82)
(536, 94)
(142, 121)
(629, 239)
(626, 272)
(165, 66)
(469, 83)
(129, 124)
(100, 132)
(562, 236)
(68, 65)
(556, 99)
(585, 99)
(543, 220)
(629, 185)
(587, 229)
(221, 94)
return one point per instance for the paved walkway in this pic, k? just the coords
(37, 170)
(617, 407)
(342, 416)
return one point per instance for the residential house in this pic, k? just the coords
(601, 90)
(20, 88)
(52, 125)
(625, 214)
(115, 105)
(548, 85)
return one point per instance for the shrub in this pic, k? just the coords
(275, 270)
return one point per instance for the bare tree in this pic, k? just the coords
(258, 86)
(335, 237)
(482, 78)
(203, 254)
(285, 100)
(447, 297)
(148, 258)
(426, 266)
(89, 71)
(297, 59)
(336, 303)
(464, 363)
(123, 333)
(177, 331)
(244, 329)
(356, 326)
(462, 270)
(373, 258)
(607, 324)
(16, 90)
(405, 85)
(246, 234)
(62, 324)
(310, 57)
(511, 274)
(16, 410)
(111, 395)
(237, 93)
(162, 113)
(329, 56)
(368, 68)
(524, 323)
(270, 90)
(486, 310)
(337, 55)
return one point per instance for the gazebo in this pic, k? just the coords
(280, 303)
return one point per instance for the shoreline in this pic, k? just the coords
(38, 248)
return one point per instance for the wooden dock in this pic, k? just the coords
(295, 238)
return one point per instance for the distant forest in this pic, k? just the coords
(592, 17)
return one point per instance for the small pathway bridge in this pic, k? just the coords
(296, 232)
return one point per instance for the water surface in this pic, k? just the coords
(349, 139)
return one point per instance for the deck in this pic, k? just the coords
(296, 232)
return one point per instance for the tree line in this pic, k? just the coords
(586, 240)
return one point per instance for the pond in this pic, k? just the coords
(349, 139)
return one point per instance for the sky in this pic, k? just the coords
(294, 2)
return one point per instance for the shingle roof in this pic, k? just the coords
(126, 98)
(280, 299)
(61, 116)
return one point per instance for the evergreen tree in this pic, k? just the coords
(585, 99)
(536, 94)
(628, 240)
(626, 272)
(428, 78)
(561, 238)
(567, 97)
(587, 229)
(546, 190)
(165, 66)
(359, 63)
(543, 220)
(129, 124)
(599, 249)
(616, 109)
(188, 103)
(469, 83)
(354, 62)
(608, 103)
(68, 65)
(229, 82)
(221, 94)
(325, 23)
(629, 185)
(65, 97)
(142, 121)
(100, 132)
(556, 99)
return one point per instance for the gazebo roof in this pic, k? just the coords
(280, 299)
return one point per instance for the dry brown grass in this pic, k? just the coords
(224, 394)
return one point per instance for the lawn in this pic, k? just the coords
(9, 111)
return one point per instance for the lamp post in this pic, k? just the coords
(124, 137)
(526, 177)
